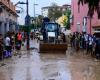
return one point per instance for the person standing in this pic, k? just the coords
(1, 47)
(19, 38)
(97, 48)
(8, 46)
(90, 44)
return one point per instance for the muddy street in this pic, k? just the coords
(32, 65)
(49, 39)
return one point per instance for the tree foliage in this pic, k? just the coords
(39, 20)
(54, 12)
(93, 6)
(68, 13)
(24, 28)
(64, 20)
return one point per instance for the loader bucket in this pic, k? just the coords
(48, 47)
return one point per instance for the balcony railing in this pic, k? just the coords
(9, 5)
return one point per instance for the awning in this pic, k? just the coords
(96, 25)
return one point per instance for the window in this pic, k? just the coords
(97, 29)
(51, 27)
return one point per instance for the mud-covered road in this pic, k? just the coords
(31, 65)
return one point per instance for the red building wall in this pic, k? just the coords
(78, 15)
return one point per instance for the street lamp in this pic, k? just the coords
(34, 13)
(34, 9)
(27, 20)
(18, 11)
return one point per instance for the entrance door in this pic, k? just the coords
(0, 28)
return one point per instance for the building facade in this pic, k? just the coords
(60, 8)
(81, 22)
(8, 16)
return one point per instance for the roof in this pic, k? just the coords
(47, 7)
(63, 6)
(8, 6)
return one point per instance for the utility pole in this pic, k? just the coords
(27, 23)
(34, 14)
(90, 25)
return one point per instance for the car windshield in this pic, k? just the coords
(51, 27)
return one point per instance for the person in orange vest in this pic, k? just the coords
(19, 38)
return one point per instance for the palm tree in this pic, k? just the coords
(93, 6)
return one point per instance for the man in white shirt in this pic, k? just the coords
(8, 46)
(7, 41)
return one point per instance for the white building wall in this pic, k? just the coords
(45, 12)
(5, 18)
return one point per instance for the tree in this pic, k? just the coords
(68, 13)
(39, 20)
(64, 20)
(54, 12)
(93, 6)
(23, 28)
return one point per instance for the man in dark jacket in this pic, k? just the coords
(97, 48)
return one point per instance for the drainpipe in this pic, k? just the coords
(90, 24)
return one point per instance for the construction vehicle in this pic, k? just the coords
(53, 39)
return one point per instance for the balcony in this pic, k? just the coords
(8, 5)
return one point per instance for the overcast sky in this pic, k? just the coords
(41, 3)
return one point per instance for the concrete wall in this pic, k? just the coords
(8, 17)
(7, 21)
(45, 12)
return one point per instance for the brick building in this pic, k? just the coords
(8, 16)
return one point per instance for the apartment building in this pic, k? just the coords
(60, 8)
(8, 16)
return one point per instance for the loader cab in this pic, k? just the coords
(51, 42)
(52, 31)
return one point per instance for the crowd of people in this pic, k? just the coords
(79, 41)
(9, 42)
(88, 42)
